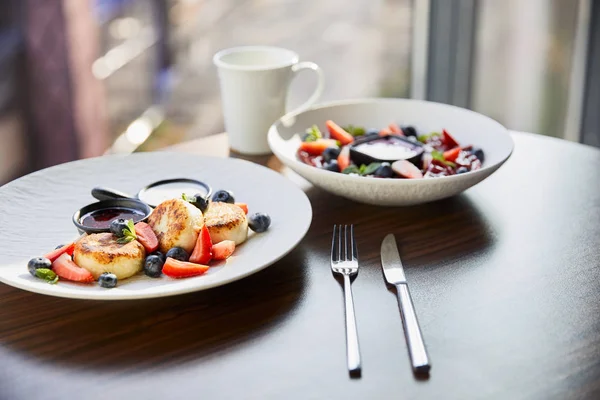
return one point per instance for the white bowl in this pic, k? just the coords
(466, 126)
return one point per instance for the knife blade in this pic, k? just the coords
(390, 259)
(394, 274)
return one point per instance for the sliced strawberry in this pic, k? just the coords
(54, 254)
(338, 133)
(452, 155)
(395, 129)
(385, 132)
(344, 158)
(65, 268)
(448, 140)
(202, 253)
(146, 236)
(243, 206)
(406, 169)
(317, 147)
(182, 269)
(222, 250)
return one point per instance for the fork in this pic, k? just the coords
(344, 262)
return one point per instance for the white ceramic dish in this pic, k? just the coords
(36, 216)
(466, 126)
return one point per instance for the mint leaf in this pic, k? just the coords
(354, 130)
(125, 239)
(369, 169)
(438, 155)
(46, 274)
(351, 169)
(425, 138)
(313, 134)
(128, 233)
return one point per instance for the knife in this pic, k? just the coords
(394, 274)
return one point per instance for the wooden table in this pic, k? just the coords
(505, 279)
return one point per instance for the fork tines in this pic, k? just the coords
(343, 245)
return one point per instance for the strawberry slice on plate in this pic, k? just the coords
(406, 169)
(452, 154)
(146, 236)
(317, 147)
(67, 248)
(338, 133)
(182, 269)
(202, 253)
(395, 129)
(65, 268)
(448, 140)
(223, 250)
(344, 158)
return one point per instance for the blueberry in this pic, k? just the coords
(201, 202)
(332, 166)
(153, 266)
(223, 196)
(478, 153)
(259, 222)
(59, 246)
(39, 262)
(178, 253)
(462, 170)
(117, 226)
(107, 280)
(409, 131)
(384, 171)
(159, 254)
(330, 153)
(372, 132)
(305, 136)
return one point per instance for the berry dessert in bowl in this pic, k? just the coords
(391, 151)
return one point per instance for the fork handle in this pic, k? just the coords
(352, 349)
(412, 331)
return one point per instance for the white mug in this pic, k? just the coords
(254, 84)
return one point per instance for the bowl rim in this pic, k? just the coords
(289, 119)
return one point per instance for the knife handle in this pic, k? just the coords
(412, 331)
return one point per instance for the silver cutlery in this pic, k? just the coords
(344, 262)
(394, 274)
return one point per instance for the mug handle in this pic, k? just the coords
(296, 68)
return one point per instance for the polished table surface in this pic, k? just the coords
(505, 280)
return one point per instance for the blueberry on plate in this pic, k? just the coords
(384, 171)
(330, 153)
(153, 266)
(409, 131)
(39, 262)
(478, 153)
(372, 132)
(223, 196)
(332, 166)
(462, 170)
(259, 222)
(159, 254)
(200, 202)
(178, 253)
(117, 226)
(107, 280)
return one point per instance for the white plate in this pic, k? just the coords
(466, 126)
(36, 216)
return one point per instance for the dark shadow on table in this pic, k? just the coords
(113, 335)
